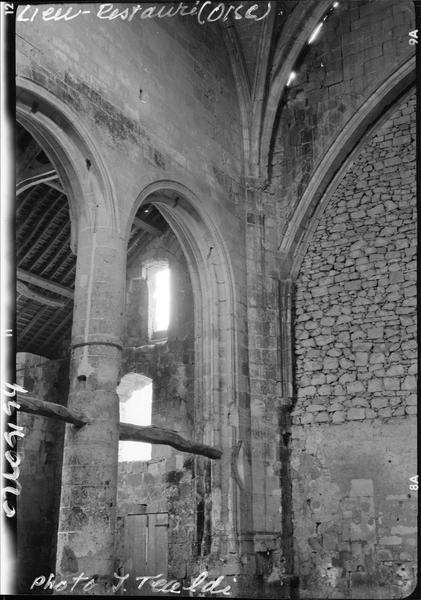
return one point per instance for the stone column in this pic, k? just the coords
(286, 346)
(89, 481)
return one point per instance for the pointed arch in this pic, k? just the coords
(216, 359)
(68, 145)
(301, 24)
(331, 169)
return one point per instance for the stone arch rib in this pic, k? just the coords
(215, 325)
(335, 162)
(285, 58)
(71, 150)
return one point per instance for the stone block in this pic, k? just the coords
(327, 321)
(307, 419)
(330, 363)
(362, 346)
(395, 371)
(362, 402)
(306, 391)
(353, 285)
(375, 385)
(375, 333)
(377, 358)
(334, 352)
(355, 387)
(322, 417)
(391, 384)
(356, 414)
(315, 408)
(361, 358)
(347, 378)
(324, 390)
(380, 402)
(391, 540)
(410, 383)
(411, 410)
(318, 379)
(324, 340)
(338, 416)
(319, 291)
(312, 365)
(346, 364)
(385, 412)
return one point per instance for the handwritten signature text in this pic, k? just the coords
(156, 583)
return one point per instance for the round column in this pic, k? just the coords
(85, 542)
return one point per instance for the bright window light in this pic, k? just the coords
(291, 77)
(161, 300)
(137, 410)
(315, 33)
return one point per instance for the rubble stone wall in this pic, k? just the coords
(353, 436)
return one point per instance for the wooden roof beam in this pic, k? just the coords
(40, 282)
(44, 175)
(23, 290)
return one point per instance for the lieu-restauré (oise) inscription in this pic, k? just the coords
(204, 12)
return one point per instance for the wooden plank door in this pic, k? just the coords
(146, 548)
(158, 544)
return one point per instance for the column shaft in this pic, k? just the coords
(89, 480)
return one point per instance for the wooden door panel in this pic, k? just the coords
(146, 548)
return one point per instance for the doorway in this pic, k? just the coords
(146, 549)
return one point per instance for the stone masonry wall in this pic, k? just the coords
(353, 436)
(40, 470)
(358, 47)
(360, 44)
(169, 363)
(180, 120)
(164, 485)
(167, 483)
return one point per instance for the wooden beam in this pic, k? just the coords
(44, 219)
(58, 241)
(56, 185)
(128, 432)
(32, 323)
(61, 290)
(146, 227)
(40, 176)
(168, 437)
(34, 406)
(24, 290)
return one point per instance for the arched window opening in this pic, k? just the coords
(135, 393)
(157, 275)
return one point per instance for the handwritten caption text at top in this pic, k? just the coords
(203, 11)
